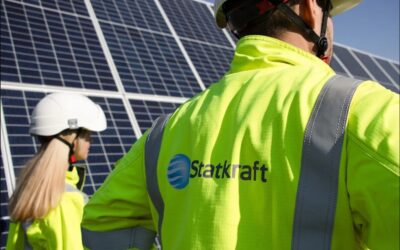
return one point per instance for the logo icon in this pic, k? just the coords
(179, 171)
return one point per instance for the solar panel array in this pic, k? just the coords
(137, 59)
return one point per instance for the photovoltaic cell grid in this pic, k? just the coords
(72, 6)
(336, 66)
(376, 72)
(205, 44)
(376, 67)
(41, 46)
(204, 55)
(106, 148)
(146, 112)
(110, 145)
(194, 20)
(391, 69)
(17, 107)
(3, 204)
(350, 62)
(149, 63)
(139, 13)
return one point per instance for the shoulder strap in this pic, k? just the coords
(24, 226)
(152, 151)
(318, 181)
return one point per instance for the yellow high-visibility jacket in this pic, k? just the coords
(59, 229)
(254, 120)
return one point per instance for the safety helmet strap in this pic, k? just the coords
(71, 155)
(321, 42)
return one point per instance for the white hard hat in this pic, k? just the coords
(338, 6)
(59, 111)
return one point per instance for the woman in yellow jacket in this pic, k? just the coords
(47, 206)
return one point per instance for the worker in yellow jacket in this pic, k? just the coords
(281, 153)
(47, 206)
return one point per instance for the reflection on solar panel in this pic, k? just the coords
(137, 59)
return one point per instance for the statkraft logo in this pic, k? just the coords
(181, 169)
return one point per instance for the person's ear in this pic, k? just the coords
(309, 12)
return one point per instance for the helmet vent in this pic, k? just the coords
(73, 123)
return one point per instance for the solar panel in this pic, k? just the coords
(139, 13)
(194, 20)
(4, 220)
(51, 48)
(335, 64)
(351, 63)
(149, 63)
(377, 73)
(358, 64)
(146, 112)
(203, 55)
(73, 7)
(137, 59)
(390, 69)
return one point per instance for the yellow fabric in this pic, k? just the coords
(60, 229)
(257, 113)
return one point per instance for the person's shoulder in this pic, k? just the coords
(68, 210)
(373, 123)
(369, 87)
(372, 101)
(72, 198)
(70, 202)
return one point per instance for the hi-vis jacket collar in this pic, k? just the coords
(255, 51)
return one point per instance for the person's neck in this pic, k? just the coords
(297, 40)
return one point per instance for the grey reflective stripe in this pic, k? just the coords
(122, 239)
(71, 188)
(318, 183)
(25, 226)
(152, 150)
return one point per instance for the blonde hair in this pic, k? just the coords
(41, 183)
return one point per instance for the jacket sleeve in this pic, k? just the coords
(15, 238)
(121, 205)
(373, 166)
(60, 229)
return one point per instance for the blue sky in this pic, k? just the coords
(372, 27)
